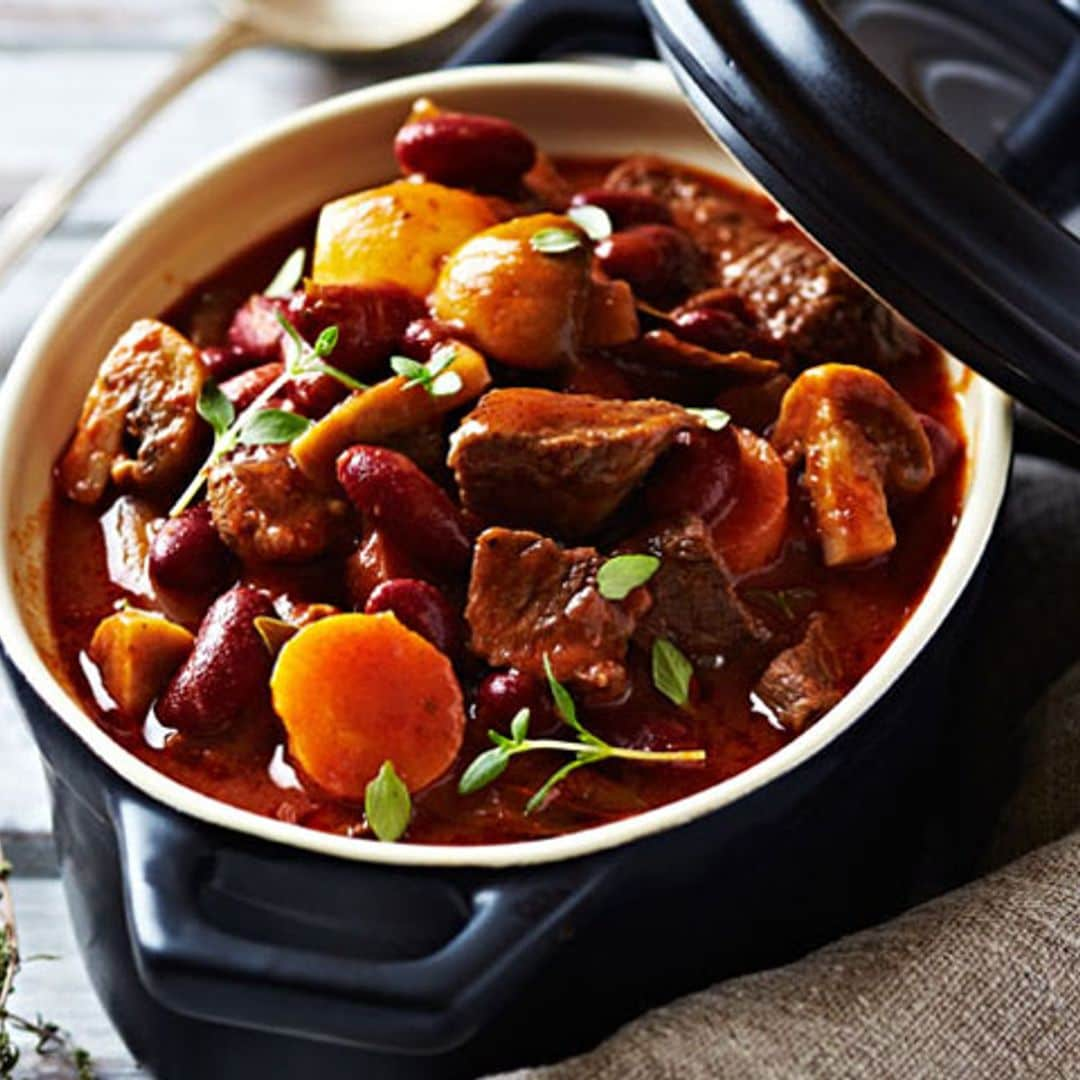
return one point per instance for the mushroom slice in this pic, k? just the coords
(139, 426)
(862, 442)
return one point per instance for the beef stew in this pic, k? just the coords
(620, 468)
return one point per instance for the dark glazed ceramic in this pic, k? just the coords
(184, 927)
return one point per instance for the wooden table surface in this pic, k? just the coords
(69, 68)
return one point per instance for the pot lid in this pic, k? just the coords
(870, 122)
(972, 260)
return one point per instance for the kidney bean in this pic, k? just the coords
(188, 555)
(503, 694)
(255, 330)
(421, 607)
(625, 208)
(223, 362)
(376, 560)
(696, 476)
(244, 388)
(421, 336)
(228, 669)
(313, 395)
(661, 263)
(370, 320)
(465, 150)
(720, 320)
(399, 500)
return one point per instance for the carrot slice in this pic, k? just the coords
(354, 691)
(750, 534)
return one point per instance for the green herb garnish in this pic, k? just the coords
(50, 1040)
(555, 241)
(715, 419)
(785, 601)
(288, 277)
(273, 426)
(671, 672)
(387, 805)
(589, 749)
(620, 576)
(250, 427)
(592, 220)
(432, 376)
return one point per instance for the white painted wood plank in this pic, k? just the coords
(29, 23)
(59, 988)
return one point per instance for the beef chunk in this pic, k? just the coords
(809, 304)
(814, 308)
(558, 462)
(694, 600)
(802, 682)
(718, 222)
(528, 596)
(266, 509)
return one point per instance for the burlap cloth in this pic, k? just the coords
(983, 980)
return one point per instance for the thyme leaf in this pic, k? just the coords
(588, 749)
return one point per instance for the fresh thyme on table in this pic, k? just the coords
(52, 1041)
(589, 749)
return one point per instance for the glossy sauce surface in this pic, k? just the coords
(248, 767)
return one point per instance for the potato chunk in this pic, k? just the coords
(137, 653)
(400, 233)
(146, 389)
(518, 305)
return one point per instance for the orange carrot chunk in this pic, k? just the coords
(749, 535)
(354, 691)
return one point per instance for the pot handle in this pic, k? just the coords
(545, 29)
(220, 970)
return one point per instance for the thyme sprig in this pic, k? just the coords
(258, 425)
(51, 1040)
(588, 749)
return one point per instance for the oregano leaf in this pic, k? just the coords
(273, 426)
(621, 575)
(671, 672)
(215, 408)
(387, 805)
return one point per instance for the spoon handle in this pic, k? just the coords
(44, 203)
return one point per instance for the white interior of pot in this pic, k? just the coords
(178, 238)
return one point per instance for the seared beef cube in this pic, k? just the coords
(814, 308)
(802, 682)
(809, 304)
(528, 596)
(561, 463)
(694, 600)
(266, 510)
(718, 222)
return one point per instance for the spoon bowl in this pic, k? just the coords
(347, 26)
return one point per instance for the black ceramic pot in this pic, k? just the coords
(226, 944)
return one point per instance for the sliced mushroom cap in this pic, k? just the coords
(139, 426)
(862, 442)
